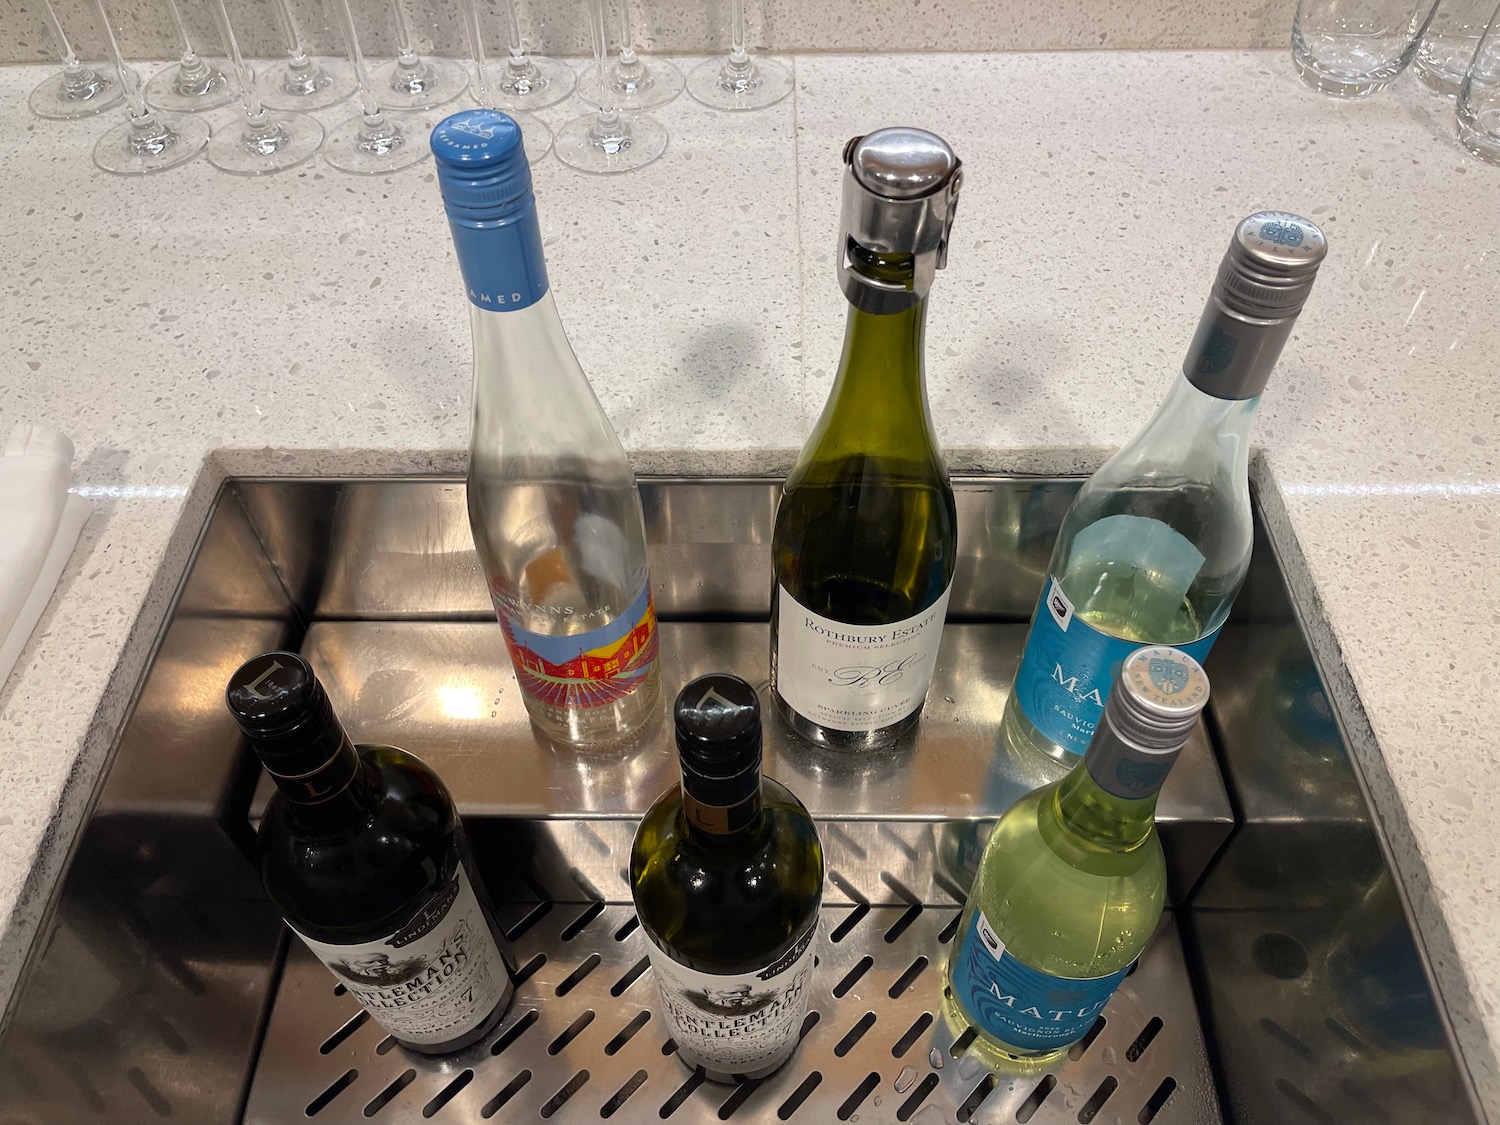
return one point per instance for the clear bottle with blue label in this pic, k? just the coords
(1157, 543)
(1072, 881)
(553, 503)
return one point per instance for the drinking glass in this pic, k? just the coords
(1446, 50)
(536, 138)
(146, 141)
(529, 81)
(1351, 48)
(635, 83)
(739, 81)
(411, 82)
(372, 141)
(76, 90)
(301, 83)
(191, 84)
(261, 144)
(608, 140)
(1479, 97)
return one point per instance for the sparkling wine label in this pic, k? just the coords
(1019, 1005)
(589, 669)
(855, 677)
(1069, 667)
(433, 980)
(745, 1024)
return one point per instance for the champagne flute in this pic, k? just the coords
(301, 83)
(529, 81)
(739, 81)
(636, 83)
(146, 141)
(372, 141)
(536, 138)
(191, 85)
(609, 141)
(411, 82)
(261, 144)
(76, 90)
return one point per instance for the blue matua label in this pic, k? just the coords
(1069, 667)
(1019, 1005)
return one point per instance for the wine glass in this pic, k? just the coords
(529, 81)
(739, 81)
(261, 144)
(75, 91)
(536, 138)
(609, 141)
(146, 141)
(411, 82)
(301, 83)
(635, 83)
(191, 85)
(372, 142)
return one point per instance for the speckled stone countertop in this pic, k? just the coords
(193, 324)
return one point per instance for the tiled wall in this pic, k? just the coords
(684, 26)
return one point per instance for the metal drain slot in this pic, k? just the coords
(572, 1052)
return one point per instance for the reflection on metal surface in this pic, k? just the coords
(584, 1042)
(144, 1000)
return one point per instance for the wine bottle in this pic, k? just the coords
(362, 851)
(553, 503)
(1072, 881)
(865, 533)
(727, 874)
(1157, 543)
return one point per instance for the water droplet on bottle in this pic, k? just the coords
(906, 1079)
(935, 1058)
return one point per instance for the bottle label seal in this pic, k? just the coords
(594, 668)
(1069, 667)
(1021, 1006)
(745, 1023)
(436, 978)
(855, 677)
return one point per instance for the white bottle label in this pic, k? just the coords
(744, 1024)
(855, 677)
(433, 980)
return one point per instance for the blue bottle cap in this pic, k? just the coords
(481, 164)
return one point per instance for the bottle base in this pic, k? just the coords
(990, 1051)
(470, 1037)
(734, 1078)
(844, 741)
(1025, 741)
(605, 727)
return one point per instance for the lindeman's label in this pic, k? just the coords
(745, 1024)
(436, 978)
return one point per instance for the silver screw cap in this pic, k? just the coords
(1161, 692)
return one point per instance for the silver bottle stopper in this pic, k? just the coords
(900, 192)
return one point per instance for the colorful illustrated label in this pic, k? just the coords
(745, 1024)
(855, 677)
(1021, 1006)
(591, 669)
(433, 980)
(1069, 667)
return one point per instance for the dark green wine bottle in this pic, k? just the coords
(865, 533)
(362, 851)
(727, 874)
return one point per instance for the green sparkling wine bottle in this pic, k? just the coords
(362, 851)
(1072, 881)
(864, 541)
(1157, 543)
(727, 874)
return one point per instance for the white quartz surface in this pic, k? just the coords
(314, 322)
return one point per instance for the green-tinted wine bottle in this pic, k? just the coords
(362, 851)
(1157, 543)
(1072, 881)
(865, 534)
(727, 874)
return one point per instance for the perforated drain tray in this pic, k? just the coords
(585, 1041)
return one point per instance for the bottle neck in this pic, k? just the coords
(1201, 435)
(718, 811)
(1101, 819)
(332, 795)
(879, 396)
